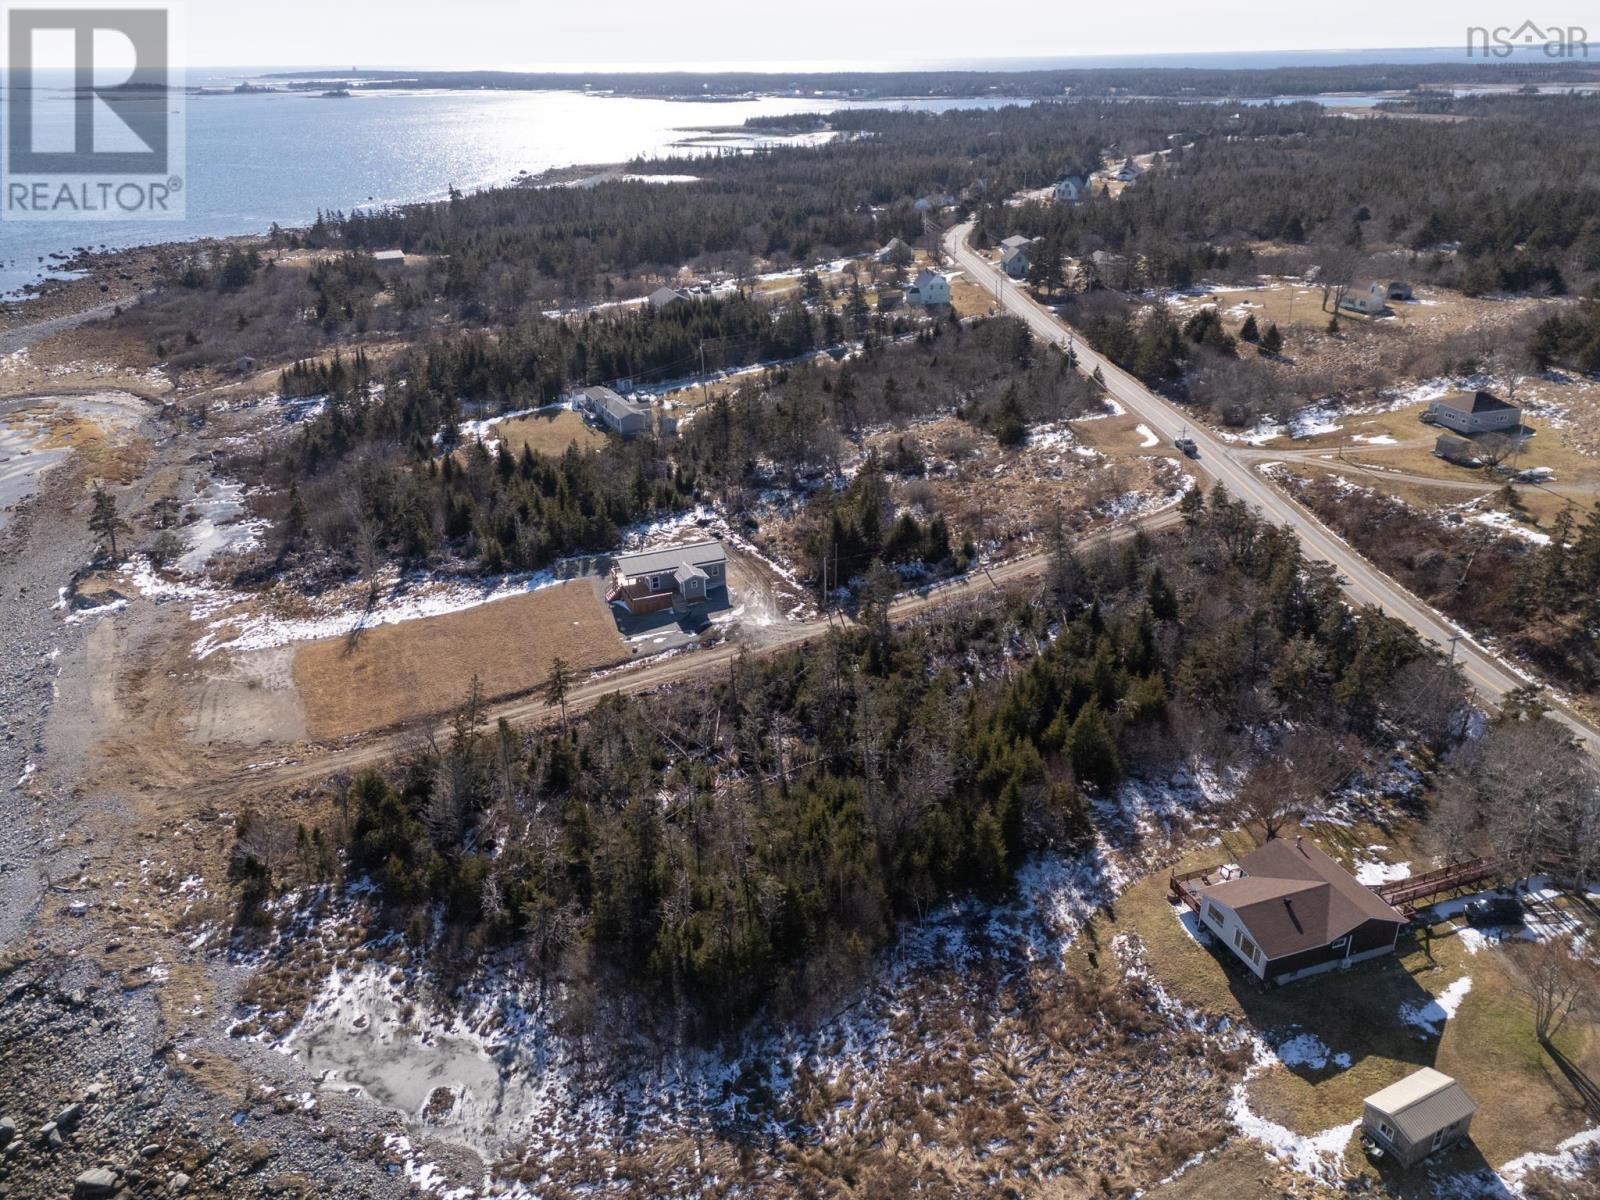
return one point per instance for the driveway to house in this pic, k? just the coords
(1364, 584)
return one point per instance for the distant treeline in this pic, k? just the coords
(1502, 201)
(1099, 81)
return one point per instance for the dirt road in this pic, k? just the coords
(661, 672)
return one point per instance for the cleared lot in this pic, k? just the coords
(549, 433)
(397, 673)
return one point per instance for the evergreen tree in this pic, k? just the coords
(1092, 749)
(105, 521)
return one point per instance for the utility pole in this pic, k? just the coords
(1454, 638)
(705, 395)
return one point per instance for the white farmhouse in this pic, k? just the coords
(928, 288)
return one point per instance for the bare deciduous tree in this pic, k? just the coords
(1557, 982)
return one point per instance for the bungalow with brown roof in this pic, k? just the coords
(1293, 911)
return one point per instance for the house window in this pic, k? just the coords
(1245, 945)
(1214, 915)
(1340, 943)
(1385, 1131)
(1438, 1140)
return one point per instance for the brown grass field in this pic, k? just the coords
(549, 433)
(398, 673)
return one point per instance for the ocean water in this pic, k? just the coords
(261, 158)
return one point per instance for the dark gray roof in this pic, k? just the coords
(1475, 402)
(668, 559)
(1293, 897)
(1423, 1103)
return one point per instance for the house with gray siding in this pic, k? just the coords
(675, 577)
(1475, 412)
(617, 413)
(1422, 1114)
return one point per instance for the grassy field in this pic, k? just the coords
(549, 433)
(1525, 1103)
(398, 673)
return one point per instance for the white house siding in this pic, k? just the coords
(1228, 930)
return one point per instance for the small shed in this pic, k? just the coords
(389, 258)
(1399, 289)
(1455, 449)
(1423, 1113)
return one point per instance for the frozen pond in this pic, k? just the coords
(23, 462)
(218, 528)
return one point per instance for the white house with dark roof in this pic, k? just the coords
(928, 288)
(1070, 189)
(1014, 261)
(1370, 301)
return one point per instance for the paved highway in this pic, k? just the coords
(1364, 584)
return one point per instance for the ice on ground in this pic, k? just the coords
(1147, 437)
(1375, 439)
(510, 1075)
(425, 1176)
(482, 428)
(1430, 1017)
(636, 178)
(220, 526)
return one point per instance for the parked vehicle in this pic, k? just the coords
(1186, 444)
(1494, 910)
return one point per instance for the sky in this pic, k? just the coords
(534, 34)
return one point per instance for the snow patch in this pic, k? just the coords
(1430, 1018)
